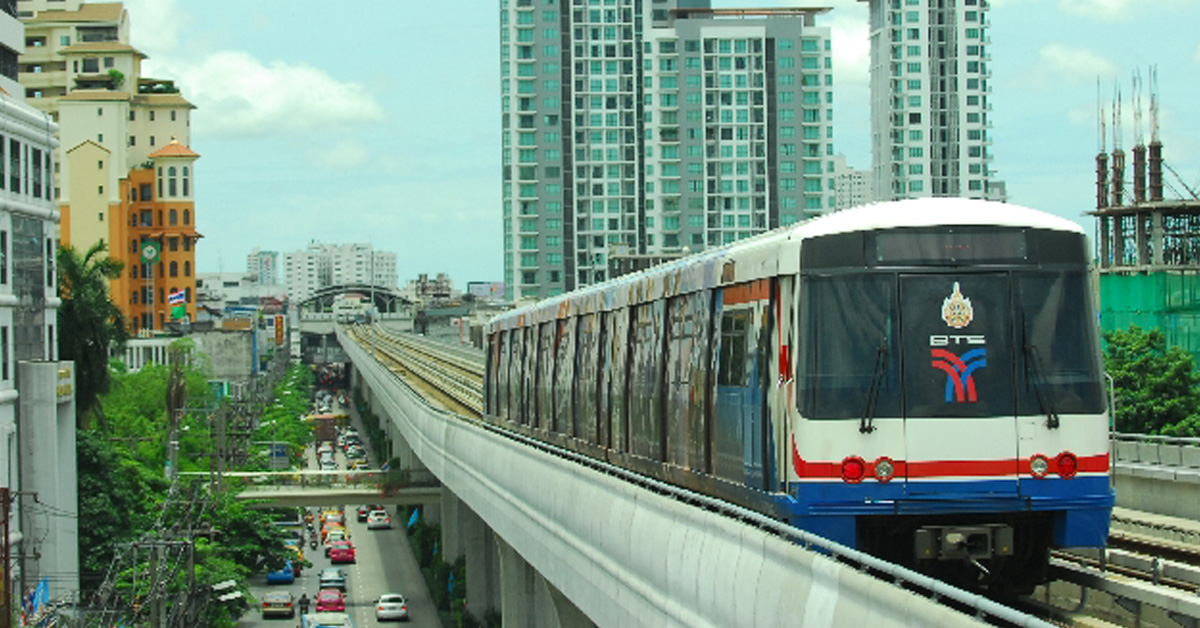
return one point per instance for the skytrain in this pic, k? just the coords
(920, 380)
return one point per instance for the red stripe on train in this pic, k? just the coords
(946, 468)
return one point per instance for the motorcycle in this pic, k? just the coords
(312, 543)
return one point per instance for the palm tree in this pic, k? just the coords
(90, 325)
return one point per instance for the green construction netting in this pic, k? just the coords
(1168, 301)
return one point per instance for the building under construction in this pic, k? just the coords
(1149, 246)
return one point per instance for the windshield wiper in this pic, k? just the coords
(1033, 371)
(866, 425)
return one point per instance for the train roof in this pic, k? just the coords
(709, 268)
(928, 212)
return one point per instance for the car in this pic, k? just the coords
(283, 575)
(278, 604)
(331, 600)
(342, 552)
(365, 510)
(335, 535)
(391, 607)
(325, 448)
(332, 578)
(379, 520)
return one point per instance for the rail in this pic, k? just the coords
(456, 375)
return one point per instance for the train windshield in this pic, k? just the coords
(928, 341)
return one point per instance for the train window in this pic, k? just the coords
(564, 378)
(587, 358)
(948, 245)
(645, 381)
(1059, 361)
(545, 385)
(504, 376)
(616, 369)
(848, 347)
(529, 349)
(689, 320)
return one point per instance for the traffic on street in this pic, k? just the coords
(361, 562)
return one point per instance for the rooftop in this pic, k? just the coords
(173, 149)
(98, 12)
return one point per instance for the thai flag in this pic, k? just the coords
(175, 298)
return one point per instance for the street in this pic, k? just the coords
(385, 564)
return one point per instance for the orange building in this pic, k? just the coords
(157, 208)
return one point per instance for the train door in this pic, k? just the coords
(960, 425)
(740, 428)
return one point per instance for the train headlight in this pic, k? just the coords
(1038, 466)
(853, 469)
(1068, 464)
(884, 469)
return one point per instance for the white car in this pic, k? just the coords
(391, 606)
(379, 520)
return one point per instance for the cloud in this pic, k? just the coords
(1074, 65)
(155, 24)
(240, 96)
(1108, 10)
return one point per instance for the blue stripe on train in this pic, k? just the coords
(1083, 505)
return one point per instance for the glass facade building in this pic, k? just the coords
(931, 99)
(651, 127)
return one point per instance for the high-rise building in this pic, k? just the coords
(931, 99)
(264, 266)
(851, 186)
(322, 265)
(126, 175)
(655, 128)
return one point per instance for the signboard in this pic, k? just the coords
(150, 251)
(65, 388)
(278, 456)
(279, 330)
(486, 289)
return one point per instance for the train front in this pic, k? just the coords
(951, 409)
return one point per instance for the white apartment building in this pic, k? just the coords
(77, 65)
(851, 186)
(931, 99)
(322, 265)
(37, 410)
(264, 266)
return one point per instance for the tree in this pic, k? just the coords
(90, 325)
(1157, 387)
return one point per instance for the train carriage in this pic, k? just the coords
(920, 380)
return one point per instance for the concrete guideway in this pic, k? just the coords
(270, 489)
(613, 553)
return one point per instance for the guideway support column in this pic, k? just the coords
(483, 563)
(529, 600)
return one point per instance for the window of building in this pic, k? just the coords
(152, 120)
(174, 269)
(91, 65)
(109, 62)
(187, 220)
(132, 140)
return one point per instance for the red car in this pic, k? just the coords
(341, 552)
(331, 600)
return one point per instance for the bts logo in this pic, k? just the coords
(960, 383)
(958, 313)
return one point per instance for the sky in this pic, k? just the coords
(381, 124)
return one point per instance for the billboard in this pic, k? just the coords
(279, 330)
(486, 289)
